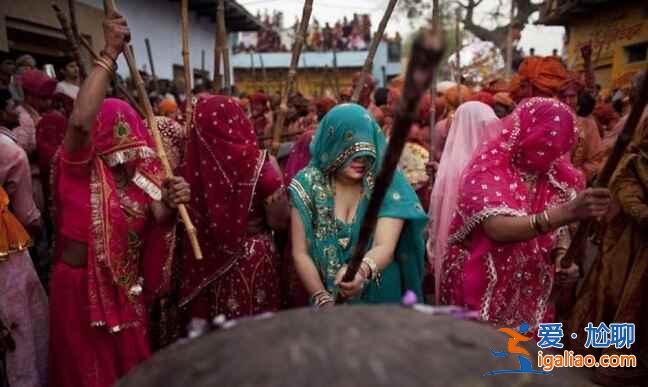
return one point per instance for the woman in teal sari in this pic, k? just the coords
(329, 198)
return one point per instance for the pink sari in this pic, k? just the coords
(523, 171)
(99, 324)
(469, 130)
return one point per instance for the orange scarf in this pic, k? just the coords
(13, 237)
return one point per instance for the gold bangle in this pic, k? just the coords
(372, 266)
(545, 216)
(109, 63)
(532, 224)
(103, 66)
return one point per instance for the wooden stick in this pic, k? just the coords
(69, 35)
(224, 46)
(509, 43)
(184, 19)
(458, 44)
(336, 78)
(150, 58)
(119, 85)
(77, 37)
(436, 26)
(292, 73)
(264, 78)
(368, 64)
(109, 7)
(218, 79)
(427, 52)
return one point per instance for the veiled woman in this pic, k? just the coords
(474, 123)
(108, 190)
(515, 196)
(329, 199)
(241, 200)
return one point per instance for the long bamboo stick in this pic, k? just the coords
(427, 52)
(509, 43)
(436, 27)
(218, 79)
(147, 42)
(77, 37)
(69, 35)
(109, 7)
(458, 44)
(184, 19)
(292, 73)
(118, 83)
(368, 64)
(224, 46)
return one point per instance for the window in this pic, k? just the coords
(636, 52)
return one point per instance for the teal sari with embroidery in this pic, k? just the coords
(349, 131)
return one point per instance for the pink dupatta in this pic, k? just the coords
(523, 171)
(469, 130)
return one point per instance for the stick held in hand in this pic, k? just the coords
(427, 52)
(152, 123)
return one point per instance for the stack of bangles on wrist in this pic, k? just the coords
(374, 274)
(106, 63)
(321, 298)
(540, 223)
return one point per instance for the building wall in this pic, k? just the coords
(38, 16)
(611, 30)
(159, 21)
(309, 81)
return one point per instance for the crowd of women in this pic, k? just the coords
(510, 167)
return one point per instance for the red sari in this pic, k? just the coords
(232, 178)
(98, 328)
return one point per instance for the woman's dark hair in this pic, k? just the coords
(380, 96)
(586, 104)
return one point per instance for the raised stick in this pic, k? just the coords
(109, 7)
(218, 78)
(77, 37)
(184, 19)
(118, 83)
(509, 43)
(458, 44)
(69, 35)
(427, 52)
(368, 65)
(292, 73)
(224, 46)
(436, 26)
(150, 58)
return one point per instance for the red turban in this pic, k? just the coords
(452, 96)
(545, 75)
(38, 84)
(325, 104)
(483, 97)
(259, 98)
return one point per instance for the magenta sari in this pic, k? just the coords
(523, 171)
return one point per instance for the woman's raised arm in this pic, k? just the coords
(93, 90)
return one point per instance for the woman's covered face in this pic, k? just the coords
(356, 169)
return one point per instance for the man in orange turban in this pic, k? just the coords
(538, 77)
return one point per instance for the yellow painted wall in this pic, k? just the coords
(309, 82)
(610, 30)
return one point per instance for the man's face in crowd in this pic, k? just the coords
(7, 67)
(71, 71)
(8, 115)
